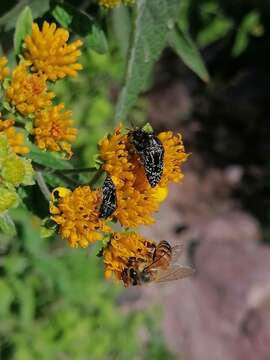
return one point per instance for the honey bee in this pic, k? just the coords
(163, 267)
(151, 154)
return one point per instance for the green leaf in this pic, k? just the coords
(77, 20)
(8, 20)
(47, 228)
(153, 21)
(184, 46)
(23, 27)
(147, 127)
(62, 16)
(48, 159)
(216, 30)
(6, 298)
(250, 25)
(97, 40)
(7, 225)
(121, 24)
(26, 299)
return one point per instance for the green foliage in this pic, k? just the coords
(250, 26)
(62, 16)
(154, 26)
(149, 39)
(7, 225)
(48, 159)
(54, 303)
(183, 45)
(23, 27)
(97, 41)
(121, 26)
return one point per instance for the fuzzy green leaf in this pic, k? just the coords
(184, 46)
(23, 27)
(121, 24)
(154, 19)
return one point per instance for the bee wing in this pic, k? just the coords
(177, 251)
(175, 272)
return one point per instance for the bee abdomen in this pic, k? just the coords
(164, 252)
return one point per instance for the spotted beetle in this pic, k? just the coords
(109, 200)
(151, 154)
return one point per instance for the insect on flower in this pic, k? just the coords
(151, 154)
(163, 267)
(109, 200)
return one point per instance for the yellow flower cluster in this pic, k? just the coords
(47, 56)
(53, 129)
(128, 195)
(174, 156)
(14, 170)
(136, 199)
(76, 213)
(121, 248)
(114, 3)
(15, 138)
(48, 51)
(28, 92)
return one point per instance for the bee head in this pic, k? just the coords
(145, 276)
(134, 276)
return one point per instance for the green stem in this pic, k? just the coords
(65, 178)
(42, 185)
(96, 177)
(79, 170)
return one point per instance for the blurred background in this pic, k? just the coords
(54, 302)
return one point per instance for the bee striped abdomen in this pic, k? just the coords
(163, 254)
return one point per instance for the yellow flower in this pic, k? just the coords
(53, 130)
(114, 3)
(136, 200)
(174, 156)
(28, 92)
(136, 207)
(76, 213)
(121, 248)
(3, 69)
(15, 139)
(114, 152)
(49, 52)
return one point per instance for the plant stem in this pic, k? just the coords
(78, 170)
(96, 177)
(42, 185)
(67, 179)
